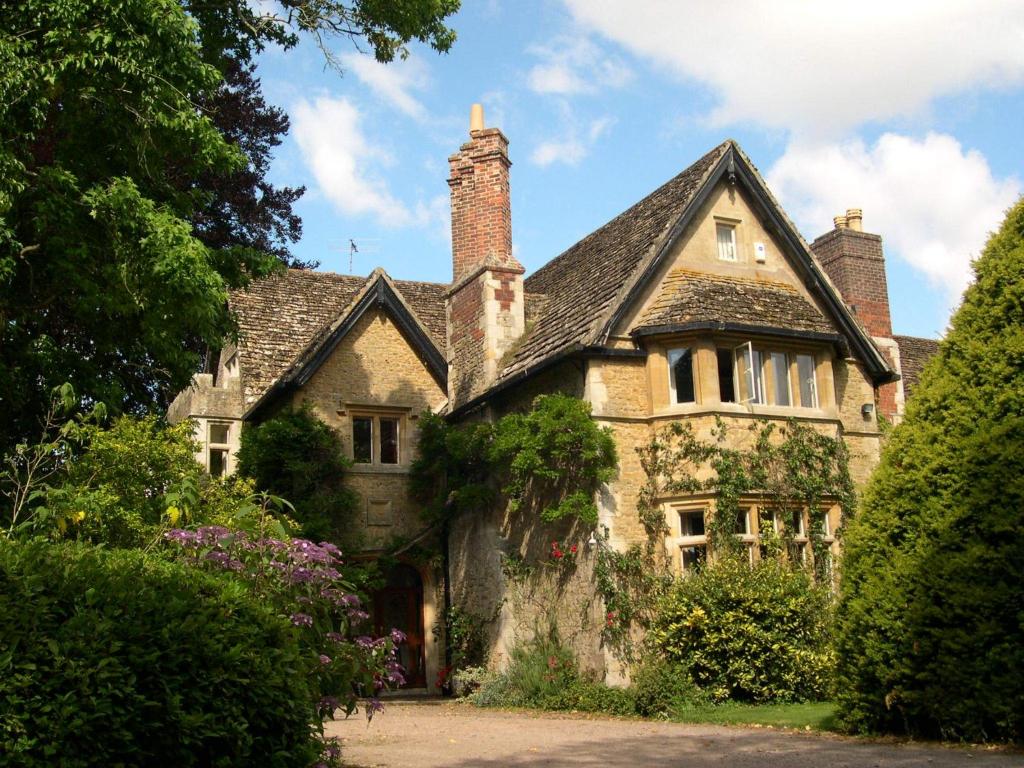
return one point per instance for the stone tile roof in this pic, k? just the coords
(688, 296)
(279, 317)
(581, 285)
(914, 354)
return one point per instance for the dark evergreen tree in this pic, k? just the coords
(931, 614)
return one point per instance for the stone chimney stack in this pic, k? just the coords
(854, 261)
(485, 302)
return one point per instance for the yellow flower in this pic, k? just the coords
(173, 514)
(79, 516)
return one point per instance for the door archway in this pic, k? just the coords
(399, 605)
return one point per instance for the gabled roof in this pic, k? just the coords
(589, 288)
(692, 299)
(914, 355)
(287, 320)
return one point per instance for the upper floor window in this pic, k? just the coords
(767, 377)
(726, 236)
(680, 367)
(376, 439)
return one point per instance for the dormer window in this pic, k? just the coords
(726, 236)
(680, 368)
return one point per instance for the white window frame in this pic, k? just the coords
(685, 542)
(751, 372)
(724, 248)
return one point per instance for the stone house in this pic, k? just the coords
(701, 301)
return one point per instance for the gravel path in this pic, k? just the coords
(442, 733)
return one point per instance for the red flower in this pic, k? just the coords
(572, 549)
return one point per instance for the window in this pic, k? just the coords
(726, 236)
(808, 384)
(388, 441)
(779, 363)
(693, 542)
(218, 449)
(680, 368)
(376, 439)
(760, 376)
(726, 388)
(742, 523)
(362, 439)
(691, 523)
(750, 374)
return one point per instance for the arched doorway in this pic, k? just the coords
(399, 605)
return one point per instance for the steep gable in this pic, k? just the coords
(590, 288)
(284, 319)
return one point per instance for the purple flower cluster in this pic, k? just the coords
(303, 579)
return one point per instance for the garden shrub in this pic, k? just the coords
(746, 632)
(121, 658)
(124, 484)
(661, 688)
(297, 456)
(542, 674)
(930, 637)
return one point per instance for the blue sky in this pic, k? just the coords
(912, 111)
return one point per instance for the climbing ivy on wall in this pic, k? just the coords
(553, 459)
(785, 467)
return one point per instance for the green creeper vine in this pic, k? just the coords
(552, 458)
(786, 468)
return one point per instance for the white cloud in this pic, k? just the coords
(394, 82)
(820, 68)
(932, 201)
(341, 159)
(573, 145)
(571, 65)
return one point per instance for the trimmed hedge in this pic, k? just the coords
(931, 612)
(757, 633)
(120, 658)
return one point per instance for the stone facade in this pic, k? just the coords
(705, 267)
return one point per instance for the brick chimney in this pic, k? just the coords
(854, 261)
(485, 302)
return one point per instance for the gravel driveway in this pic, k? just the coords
(443, 733)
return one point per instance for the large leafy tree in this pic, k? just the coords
(931, 619)
(133, 150)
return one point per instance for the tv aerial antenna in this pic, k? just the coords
(361, 246)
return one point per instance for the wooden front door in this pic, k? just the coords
(399, 605)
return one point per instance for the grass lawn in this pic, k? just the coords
(818, 716)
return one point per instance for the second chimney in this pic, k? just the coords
(485, 302)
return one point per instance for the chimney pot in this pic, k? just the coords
(476, 118)
(840, 222)
(854, 218)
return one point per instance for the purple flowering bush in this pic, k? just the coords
(304, 582)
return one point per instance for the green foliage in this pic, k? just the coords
(123, 485)
(451, 473)
(102, 283)
(551, 459)
(663, 689)
(119, 658)
(750, 633)
(556, 457)
(790, 467)
(630, 586)
(542, 674)
(132, 183)
(930, 635)
(297, 456)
